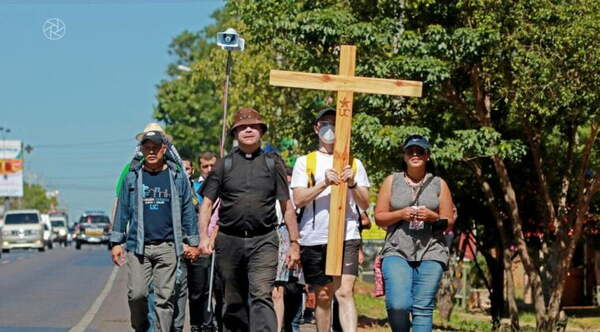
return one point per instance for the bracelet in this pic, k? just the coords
(353, 186)
(294, 241)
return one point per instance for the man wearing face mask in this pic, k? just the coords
(311, 180)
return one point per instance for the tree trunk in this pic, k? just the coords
(566, 178)
(446, 293)
(531, 270)
(586, 191)
(492, 203)
(496, 267)
(549, 212)
(513, 310)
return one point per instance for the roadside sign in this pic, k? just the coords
(11, 169)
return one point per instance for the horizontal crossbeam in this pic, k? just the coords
(293, 79)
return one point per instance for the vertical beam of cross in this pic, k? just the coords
(341, 158)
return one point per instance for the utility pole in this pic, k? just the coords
(4, 131)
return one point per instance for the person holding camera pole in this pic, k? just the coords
(415, 206)
(311, 180)
(249, 182)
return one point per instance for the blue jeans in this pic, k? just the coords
(410, 288)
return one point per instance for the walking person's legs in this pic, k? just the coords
(233, 278)
(347, 308)
(164, 261)
(344, 286)
(218, 297)
(197, 278)
(293, 305)
(278, 304)
(336, 326)
(397, 276)
(180, 296)
(313, 264)
(262, 269)
(426, 281)
(324, 296)
(139, 271)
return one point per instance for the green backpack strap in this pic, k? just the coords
(121, 178)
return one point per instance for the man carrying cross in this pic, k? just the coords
(311, 180)
(346, 84)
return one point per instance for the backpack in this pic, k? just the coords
(311, 169)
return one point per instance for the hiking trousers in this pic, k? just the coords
(156, 266)
(247, 267)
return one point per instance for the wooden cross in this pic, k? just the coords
(345, 84)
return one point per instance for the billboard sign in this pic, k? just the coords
(11, 169)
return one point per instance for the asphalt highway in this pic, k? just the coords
(64, 289)
(50, 291)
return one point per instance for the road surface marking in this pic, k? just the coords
(91, 313)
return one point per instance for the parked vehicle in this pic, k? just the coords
(93, 228)
(71, 235)
(48, 232)
(59, 214)
(1, 237)
(60, 230)
(23, 229)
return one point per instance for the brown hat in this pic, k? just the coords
(247, 116)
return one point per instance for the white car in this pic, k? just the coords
(60, 230)
(23, 229)
(1, 240)
(48, 231)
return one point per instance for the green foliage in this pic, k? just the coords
(479, 143)
(34, 197)
(500, 78)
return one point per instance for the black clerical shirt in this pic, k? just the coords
(248, 192)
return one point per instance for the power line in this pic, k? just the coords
(110, 189)
(110, 176)
(68, 145)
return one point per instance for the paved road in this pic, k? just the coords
(52, 290)
(64, 288)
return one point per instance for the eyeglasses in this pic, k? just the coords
(251, 126)
(414, 151)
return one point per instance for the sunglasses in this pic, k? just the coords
(414, 151)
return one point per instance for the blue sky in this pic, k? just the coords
(80, 100)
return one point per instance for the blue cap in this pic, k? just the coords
(323, 112)
(417, 140)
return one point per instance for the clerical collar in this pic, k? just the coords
(252, 155)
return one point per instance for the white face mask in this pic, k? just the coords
(327, 134)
